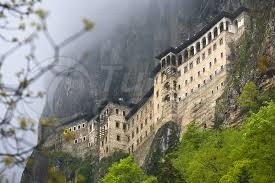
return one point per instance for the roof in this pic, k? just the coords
(204, 30)
(140, 103)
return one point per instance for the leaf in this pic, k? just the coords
(23, 123)
(88, 25)
(42, 14)
(7, 161)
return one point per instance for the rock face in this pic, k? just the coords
(121, 65)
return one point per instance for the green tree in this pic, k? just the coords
(127, 171)
(248, 98)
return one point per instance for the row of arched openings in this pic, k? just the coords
(198, 46)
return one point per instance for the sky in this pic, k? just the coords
(64, 19)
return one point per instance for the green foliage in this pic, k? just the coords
(230, 155)
(106, 163)
(127, 171)
(248, 98)
(71, 167)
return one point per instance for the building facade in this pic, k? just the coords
(187, 82)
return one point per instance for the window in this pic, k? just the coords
(199, 73)
(145, 122)
(204, 81)
(203, 69)
(209, 51)
(84, 138)
(203, 56)
(107, 149)
(137, 130)
(217, 87)
(179, 60)
(78, 126)
(106, 139)
(118, 137)
(124, 126)
(133, 135)
(199, 85)
(216, 72)
(186, 94)
(215, 46)
(222, 55)
(221, 41)
(192, 90)
(222, 67)
(75, 141)
(133, 122)
(198, 60)
(157, 93)
(83, 125)
(191, 65)
(210, 77)
(74, 128)
(179, 87)
(185, 69)
(117, 124)
(215, 60)
(141, 126)
(210, 64)
(140, 138)
(137, 142)
(124, 113)
(179, 99)
(191, 78)
(212, 92)
(146, 133)
(116, 111)
(222, 84)
(186, 82)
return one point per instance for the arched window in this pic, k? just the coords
(174, 60)
(163, 62)
(185, 55)
(179, 60)
(167, 86)
(167, 98)
(215, 32)
(168, 60)
(227, 26)
(209, 37)
(236, 23)
(198, 46)
(221, 27)
(204, 42)
(192, 51)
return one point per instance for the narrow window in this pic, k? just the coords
(209, 51)
(203, 69)
(186, 82)
(191, 78)
(185, 69)
(198, 60)
(124, 126)
(203, 56)
(117, 124)
(215, 46)
(83, 125)
(124, 113)
(199, 85)
(116, 111)
(75, 141)
(222, 55)
(199, 73)
(118, 137)
(137, 130)
(192, 90)
(210, 64)
(191, 65)
(221, 41)
(141, 126)
(133, 135)
(204, 81)
(210, 77)
(215, 60)
(186, 94)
